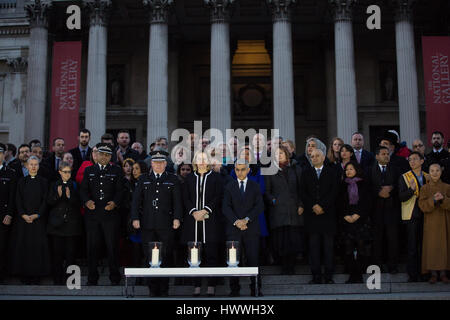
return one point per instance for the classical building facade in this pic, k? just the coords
(150, 66)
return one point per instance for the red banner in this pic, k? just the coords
(66, 73)
(436, 51)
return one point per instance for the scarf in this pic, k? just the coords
(352, 190)
(283, 165)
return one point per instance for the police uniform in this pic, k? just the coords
(102, 184)
(7, 204)
(156, 204)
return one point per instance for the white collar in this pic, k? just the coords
(245, 181)
(382, 165)
(1, 166)
(160, 174)
(319, 168)
(438, 151)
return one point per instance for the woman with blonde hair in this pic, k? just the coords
(202, 195)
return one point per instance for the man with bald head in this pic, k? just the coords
(318, 192)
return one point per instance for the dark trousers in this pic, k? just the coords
(210, 258)
(356, 264)
(4, 240)
(317, 243)
(390, 231)
(63, 248)
(414, 233)
(97, 231)
(159, 285)
(250, 244)
(136, 254)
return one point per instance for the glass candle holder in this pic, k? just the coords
(155, 254)
(233, 252)
(194, 254)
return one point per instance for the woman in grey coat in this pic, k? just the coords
(283, 195)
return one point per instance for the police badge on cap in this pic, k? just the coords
(159, 155)
(105, 149)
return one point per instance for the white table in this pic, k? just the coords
(190, 272)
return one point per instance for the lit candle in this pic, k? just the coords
(194, 255)
(232, 254)
(155, 256)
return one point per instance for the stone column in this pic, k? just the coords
(346, 104)
(173, 86)
(97, 70)
(408, 97)
(35, 104)
(17, 126)
(283, 75)
(331, 94)
(157, 106)
(220, 65)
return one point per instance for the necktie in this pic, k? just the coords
(57, 164)
(384, 169)
(157, 176)
(318, 171)
(358, 155)
(83, 155)
(242, 188)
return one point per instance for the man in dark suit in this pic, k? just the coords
(384, 177)
(438, 154)
(52, 162)
(318, 191)
(365, 158)
(101, 193)
(82, 152)
(157, 209)
(8, 181)
(123, 150)
(241, 206)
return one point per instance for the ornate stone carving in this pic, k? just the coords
(342, 9)
(403, 9)
(99, 11)
(220, 9)
(281, 9)
(37, 13)
(18, 65)
(159, 10)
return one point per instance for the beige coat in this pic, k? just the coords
(436, 229)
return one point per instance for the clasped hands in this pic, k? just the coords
(109, 206)
(241, 224)
(60, 192)
(29, 218)
(438, 196)
(137, 224)
(200, 215)
(352, 218)
(385, 191)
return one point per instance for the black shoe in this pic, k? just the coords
(351, 279)
(164, 294)
(115, 282)
(316, 280)
(92, 282)
(393, 270)
(253, 293)
(329, 281)
(234, 293)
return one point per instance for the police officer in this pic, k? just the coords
(157, 210)
(101, 193)
(7, 199)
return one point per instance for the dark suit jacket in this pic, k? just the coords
(77, 159)
(213, 192)
(401, 163)
(385, 211)
(323, 192)
(49, 171)
(236, 207)
(367, 160)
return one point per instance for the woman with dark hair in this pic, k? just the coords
(353, 208)
(283, 194)
(183, 170)
(139, 168)
(346, 154)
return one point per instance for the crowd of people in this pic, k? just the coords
(59, 208)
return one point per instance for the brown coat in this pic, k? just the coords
(436, 229)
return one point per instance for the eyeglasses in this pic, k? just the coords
(417, 145)
(66, 171)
